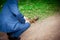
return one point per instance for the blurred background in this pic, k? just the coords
(41, 8)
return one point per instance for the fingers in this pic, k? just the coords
(26, 19)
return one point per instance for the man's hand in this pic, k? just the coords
(26, 20)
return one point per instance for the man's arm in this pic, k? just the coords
(12, 4)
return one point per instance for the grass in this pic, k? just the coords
(38, 8)
(43, 10)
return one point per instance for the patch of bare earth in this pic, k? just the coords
(47, 29)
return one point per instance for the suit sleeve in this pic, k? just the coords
(12, 5)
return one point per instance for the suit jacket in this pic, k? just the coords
(10, 17)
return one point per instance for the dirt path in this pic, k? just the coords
(47, 29)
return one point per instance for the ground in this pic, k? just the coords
(47, 29)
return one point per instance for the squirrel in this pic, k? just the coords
(33, 20)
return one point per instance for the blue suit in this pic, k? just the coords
(11, 20)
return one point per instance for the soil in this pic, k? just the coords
(47, 29)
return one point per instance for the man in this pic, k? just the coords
(12, 21)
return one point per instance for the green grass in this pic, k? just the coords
(40, 9)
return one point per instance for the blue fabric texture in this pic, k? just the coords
(11, 20)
